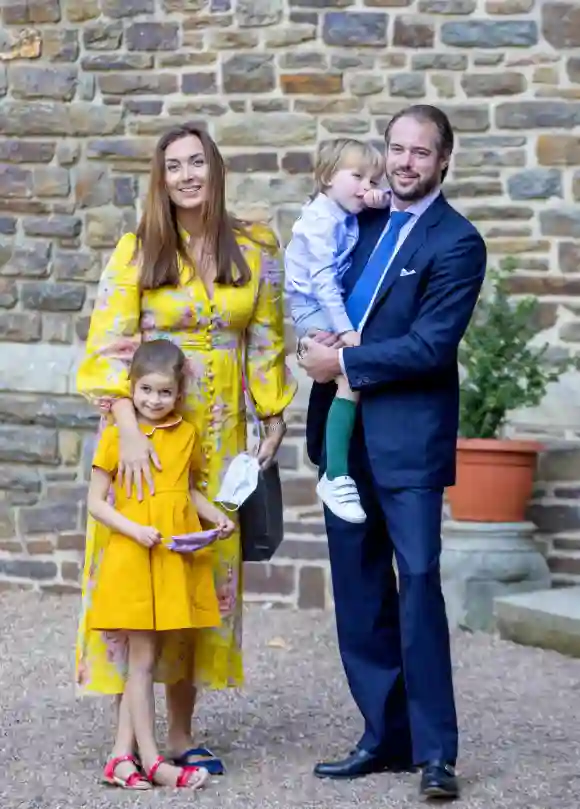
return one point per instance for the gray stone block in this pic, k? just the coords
(482, 561)
(549, 619)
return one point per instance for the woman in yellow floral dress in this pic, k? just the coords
(194, 275)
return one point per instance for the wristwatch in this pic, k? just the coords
(275, 426)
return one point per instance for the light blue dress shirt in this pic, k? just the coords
(316, 259)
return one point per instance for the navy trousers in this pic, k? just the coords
(394, 643)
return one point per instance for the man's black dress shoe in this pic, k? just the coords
(360, 763)
(438, 781)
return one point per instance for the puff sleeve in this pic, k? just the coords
(114, 332)
(270, 383)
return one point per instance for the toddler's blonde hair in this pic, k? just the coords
(334, 155)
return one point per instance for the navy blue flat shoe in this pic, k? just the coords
(200, 757)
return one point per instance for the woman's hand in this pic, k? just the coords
(275, 430)
(136, 454)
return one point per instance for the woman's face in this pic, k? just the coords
(186, 172)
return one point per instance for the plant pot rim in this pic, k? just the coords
(498, 445)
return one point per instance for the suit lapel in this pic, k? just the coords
(410, 246)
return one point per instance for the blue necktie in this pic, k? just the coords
(364, 290)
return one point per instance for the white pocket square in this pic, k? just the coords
(407, 272)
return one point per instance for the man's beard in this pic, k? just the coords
(423, 188)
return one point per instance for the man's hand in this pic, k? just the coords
(350, 338)
(320, 362)
(327, 338)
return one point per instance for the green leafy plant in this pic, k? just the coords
(502, 370)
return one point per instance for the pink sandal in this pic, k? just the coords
(185, 776)
(134, 781)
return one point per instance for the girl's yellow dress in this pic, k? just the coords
(212, 332)
(155, 589)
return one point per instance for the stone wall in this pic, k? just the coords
(87, 85)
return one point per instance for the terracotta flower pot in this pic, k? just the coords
(494, 479)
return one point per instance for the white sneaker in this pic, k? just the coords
(341, 497)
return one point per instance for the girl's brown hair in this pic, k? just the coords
(159, 242)
(159, 357)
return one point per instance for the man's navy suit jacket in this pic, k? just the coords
(406, 366)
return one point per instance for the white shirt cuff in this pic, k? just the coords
(341, 361)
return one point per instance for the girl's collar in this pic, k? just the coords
(149, 429)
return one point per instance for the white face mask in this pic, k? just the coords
(239, 481)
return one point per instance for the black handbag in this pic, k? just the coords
(262, 518)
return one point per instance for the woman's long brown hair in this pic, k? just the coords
(159, 242)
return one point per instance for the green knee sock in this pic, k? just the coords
(339, 427)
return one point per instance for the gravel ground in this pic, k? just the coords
(519, 711)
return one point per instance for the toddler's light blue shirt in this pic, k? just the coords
(317, 257)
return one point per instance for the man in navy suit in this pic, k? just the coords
(417, 272)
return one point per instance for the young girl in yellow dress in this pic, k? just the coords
(145, 590)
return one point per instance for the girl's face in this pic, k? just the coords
(155, 396)
(186, 172)
(349, 185)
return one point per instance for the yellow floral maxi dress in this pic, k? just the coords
(211, 331)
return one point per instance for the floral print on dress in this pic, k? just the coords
(212, 333)
(227, 592)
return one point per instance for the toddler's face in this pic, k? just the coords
(155, 396)
(349, 185)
